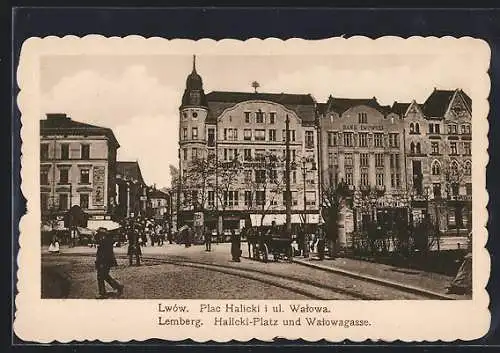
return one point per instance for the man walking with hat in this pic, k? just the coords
(105, 259)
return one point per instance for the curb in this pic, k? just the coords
(385, 282)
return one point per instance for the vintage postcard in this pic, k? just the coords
(230, 190)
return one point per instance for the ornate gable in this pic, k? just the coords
(458, 109)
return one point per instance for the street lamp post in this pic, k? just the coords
(288, 201)
(304, 173)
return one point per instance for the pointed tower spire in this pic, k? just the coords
(194, 95)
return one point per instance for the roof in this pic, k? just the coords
(321, 107)
(438, 102)
(281, 98)
(158, 194)
(340, 105)
(400, 108)
(302, 104)
(61, 123)
(129, 170)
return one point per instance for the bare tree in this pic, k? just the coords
(269, 182)
(332, 198)
(227, 173)
(197, 181)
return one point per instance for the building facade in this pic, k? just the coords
(438, 148)
(240, 139)
(362, 145)
(400, 162)
(158, 205)
(131, 191)
(77, 167)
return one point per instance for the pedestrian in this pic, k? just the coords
(250, 241)
(170, 236)
(134, 248)
(54, 245)
(301, 242)
(105, 259)
(235, 246)
(188, 236)
(321, 243)
(208, 239)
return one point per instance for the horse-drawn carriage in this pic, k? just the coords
(268, 243)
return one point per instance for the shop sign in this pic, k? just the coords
(198, 219)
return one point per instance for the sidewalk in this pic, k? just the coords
(166, 249)
(396, 276)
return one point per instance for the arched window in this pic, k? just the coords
(412, 128)
(436, 168)
(418, 147)
(412, 148)
(468, 168)
(417, 128)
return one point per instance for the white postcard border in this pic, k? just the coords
(124, 320)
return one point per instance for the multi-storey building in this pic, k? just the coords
(400, 163)
(361, 145)
(438, 136)
(248, 129)
(77, 167)
(158, 204)
(131, 190)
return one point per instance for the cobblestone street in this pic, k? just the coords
(173, 271)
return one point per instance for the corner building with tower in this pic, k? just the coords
(247, 129)
(400, 162)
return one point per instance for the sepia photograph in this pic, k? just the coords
(245, 172)
(325, 192)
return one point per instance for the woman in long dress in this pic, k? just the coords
(54, 246)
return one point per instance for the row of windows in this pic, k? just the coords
(454, 168)
(364, 160)
(379, 179)
(64, 176)
(453, 129)
(454, 189)
(231, 154)
(63, 201)
(231, 134)
(259, 117)
(453, 150)
(84, 151)
(362, 139)
(255, 198)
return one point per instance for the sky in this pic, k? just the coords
(138, 96)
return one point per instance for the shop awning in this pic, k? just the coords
(108, 224)
(281, 219)
(84, 231)
(312, 218)
(268, 219)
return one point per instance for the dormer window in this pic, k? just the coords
(195, 115)
(195, 97)
(363, 118)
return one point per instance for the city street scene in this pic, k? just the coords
(255, 177)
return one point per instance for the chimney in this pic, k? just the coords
(56, 116)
